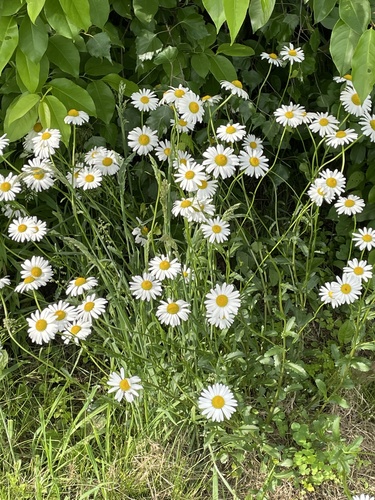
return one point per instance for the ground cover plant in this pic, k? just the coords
(187, 260)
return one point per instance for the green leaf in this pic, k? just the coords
(99, 45)
(346, 332)
(371, 195)
(103, 98)
(322, 9)
(99, 12)
(235, 50)
(123, 8)
(363, 64)
(235, 12)
(34, 8)
(201, 64)
(52, 113)
(215, 9)
(78, 11)
(64, 54)
(8, 39)
(99, 67)
(355, 179)
(21, 116)
(145, 10)
(27, 71)
(115, 80)
(296, 368)
(167, 55)
(9, 8)
(33, 39)
(147, 42)
(57, 19)
(222, 68)
(260, 11)
(193, 25)
(72, 96)
(356, 14)
(321, 386)
(343, 43)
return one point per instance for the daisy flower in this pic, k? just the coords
(73, 176)
(291, 115)
(327, 295)
(38, 179)
(37, 268)
(341, 79)
(291, 54)
(222, 301)
(341, 137)
(352, 103)
(184, 207)
(235, 87)
(172, 312)
(108, 162)
(29, 283)
(364, 239)
(91, 155)
(191, 108)
(46, 142)
(221, 323)
(215, 230)
(174, 94)
(202, 209)
(78, 330)
(231, 132)
(206, 189)
(253, 162)
(39, 229)
(140, 233)
(211, 100)
(190, 175)
(20, 229)
(144, 100)
(124, 387)
(323, 124)
(5, 281)
(79, 285)
(28, 144)
(220, 161)
(4, 141)
(9, 187)
(359, 269)
(362, 496)
(42, 326)
(142, 140)
(11, 211)
(271, 58)
(367, 123)
(75, 117)
(187, 273)
(217, 402)
(91, 308)
(349, 205)
(162, 267)
(347, 289)
(163, 150)
(182, 125)
(252, 142)
(333, 182)
(145, 287)
(89, 178)
(318, 193)
(182, 158)
(63, 312)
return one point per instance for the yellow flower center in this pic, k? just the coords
(323, 122)
(28, 280)
(356, 100)
(216, 228)
(289, 115)
(367, 238)
(221, 160)
(143, 139)
(190, 174)
(340, 134)
(320, 191)
(173, 308)
(185, 274)
(36, 272)
(179, 93)
(254, 161)
(144, 99)
(183, 161)
(346, 288)
(75, 329)
(331, 182)
(167, 151)
(37, 127)
(60, 315)
(185, 204)
(124, 384)
(144, 231)
(230, 129)
(164, 265)
(46, 136)
(22, 228)
(348, 77)
(73, 112)
(80, 281)
(146, 285)
(330, 294)
(253, 145)
(206, 97)
(203, 185)
(5, 186)
(237, 84)
(292, 53)
(358, 270)
(39, 174)
(194, 107)
(372, 124)
(89, 306)
(218, 402)
(41, 325)
(182, 122)
(89, 178)
(273, 55)
(222, 300)
(349, 203)
(107, 161)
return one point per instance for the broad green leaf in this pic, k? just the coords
(8, 39)
(363, 64)
(147, 43)
(356, 14)
(346, 332)
(99, 45)
(103, 98)
(322, 9)
(99, 67)
(235, 50)
(64, 54)
(99, 12)
(321, 386)
(222, 68)
(235, 12)
(21, 116)
(167, 55)
(72, 96)
(10, 7)
(355, 179)
(28, 71)
(115, 80)
(57, 19)
(52, 113)
(201, 64)
(20, 106)
(215, 9)
(260, 11)
(371, 195)
(123, 8)
(145, 10)
(343, 43)
(33, 39)
(296, 368)
(78, 11)
(194, 26)
(33, 8)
